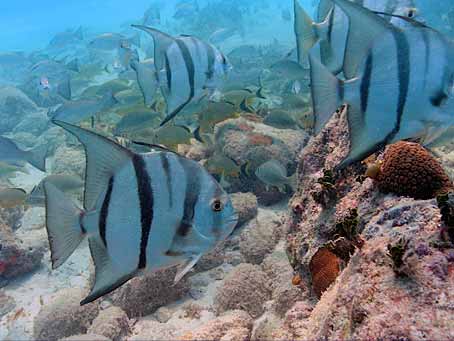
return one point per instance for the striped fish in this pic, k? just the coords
(187, 69)
(405, 87)
(333, 26)
(142, 212)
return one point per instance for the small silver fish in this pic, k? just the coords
(79, 110)
(65, 183)
(273, 173)
(12, 197)
(10, 153)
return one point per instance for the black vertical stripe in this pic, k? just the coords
(211, 60)
(365, 83)
(168, 73)
(145, 193)
(166, 168)
(192, 192)
(403, 69)
(105, 211)
(190, 69)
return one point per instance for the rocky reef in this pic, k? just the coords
(387, 270)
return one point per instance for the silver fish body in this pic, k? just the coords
(10, 153)
(79, 110)
(172, 209)
(187, 69)
(333, 26)
(411, 68)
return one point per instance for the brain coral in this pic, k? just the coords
(410, 170)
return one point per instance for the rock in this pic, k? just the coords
(395, 280)
(256, 241)
(212, 259)
(143, 295)
(86, 337)
(163, 314)
(7, 304)
(154, 331)
(64, 316)
(265, 326)
(252, 144)
(246, 287)
(15, 107)
(16, 260)
(245, 204)
(277, 267)
(12, 216)
(113, 323)
(284, 297)
(35, 123)
(235, 325)
(68, 160)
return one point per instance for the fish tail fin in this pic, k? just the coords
(63, 224)
(327, 92)
(37, 157)
(305, 30)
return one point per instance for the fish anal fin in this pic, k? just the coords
(361, 143)
(107, 276)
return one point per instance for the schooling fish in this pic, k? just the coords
(169, 135)
(273, 173)
(10, 153)
(112, 41)
(187, 69)
(79, 110)
(142, 212)
(332, 30)
(405, 88)
(12, 197)
(65, 183)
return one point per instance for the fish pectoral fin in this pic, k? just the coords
(184, 268)
(107, 276)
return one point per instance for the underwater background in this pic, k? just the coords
(226, 170)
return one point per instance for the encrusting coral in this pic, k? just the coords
(410, 170)
(324, 267)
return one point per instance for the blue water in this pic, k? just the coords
(28, 25)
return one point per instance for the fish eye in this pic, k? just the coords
(217, 205)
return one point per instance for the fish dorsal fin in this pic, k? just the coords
(364, 28)
(305, 39)
(103, 158)
(161, 43)
(107, 276)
